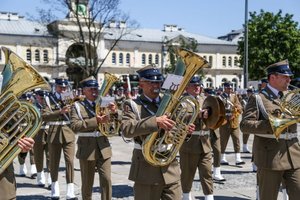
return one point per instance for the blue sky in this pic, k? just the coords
(206, 17)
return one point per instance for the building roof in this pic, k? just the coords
(156, 35)
(13, 24)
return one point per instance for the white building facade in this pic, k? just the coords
(35, 44)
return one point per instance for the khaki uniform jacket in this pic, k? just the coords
(89, 148)
(197, 144)
(269, 153)
(58, 134)
(233, 98)
(133, 127)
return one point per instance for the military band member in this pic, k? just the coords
(60, 137)
(233, 109)
(94, 150)
(196, 152)
(246, 135)
(7, 178)
(276, 160)
(41, 145)
(22, 156)
(139, 120)
(215, 142)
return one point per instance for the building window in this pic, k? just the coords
(209, 83)
(234, 84)
(121, 58)
(204, 57)
(127, 59)
(157, 59)
(113, 58)
(210, 60)
(0, 55)
(45, 56)
(37, 55)
(230, 61)
(150, 59)
(236, 61)
(28, 55)
(143, 59)
(224, 61)
(224, 80)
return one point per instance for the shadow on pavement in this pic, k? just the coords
(223, 198)
(118, 191)
(32, 197)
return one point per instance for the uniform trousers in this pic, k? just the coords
(216, 149)
(225, 132)
(41, 150)
(54, 159)
(270, 180)
(245, 138)
(157, 191)
(22, 157)
(87, 168)
(8, 184)
(189, 162)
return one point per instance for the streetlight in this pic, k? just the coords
(246, 46)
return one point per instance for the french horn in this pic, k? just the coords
(18, 78)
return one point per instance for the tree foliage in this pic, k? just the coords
(271, 38)
(92, 19)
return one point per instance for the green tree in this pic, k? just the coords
(271, 38)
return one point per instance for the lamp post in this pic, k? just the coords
(246, 46)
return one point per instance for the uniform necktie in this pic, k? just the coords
(280, 94)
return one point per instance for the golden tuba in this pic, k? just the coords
(160, 148)
(111, 128)
(18, 77)
(289, 105)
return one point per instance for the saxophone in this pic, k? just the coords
(18, 78)
(111, 128)
(160, 148)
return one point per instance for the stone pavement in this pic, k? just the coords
(240, 184)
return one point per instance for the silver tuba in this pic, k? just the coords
(18, 78)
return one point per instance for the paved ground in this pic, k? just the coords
(240, 182)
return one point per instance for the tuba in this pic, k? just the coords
(160, 148)
(111, 128)
(289, 105)
(18, 77)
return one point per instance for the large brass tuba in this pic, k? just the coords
(160, 148)
(290, 106)
(111, 128)
(18, 77)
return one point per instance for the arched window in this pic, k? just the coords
(45, 56)
(224, 80)
(157, 59)
(210, 60)
(234, 83)
(230, 61)
(150, 59)
(37, 55)
(28, 55)
(0, 55)
(205, 57)
(236, 61)
(113, 58)
(224, 61)
(127, 59)
(121, 58)
(209, 83)
(143, 59)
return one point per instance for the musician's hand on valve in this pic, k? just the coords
(65, 109)
(191, 129)
(102, 119)
(25, 144)
(165, 123)
(112, 107)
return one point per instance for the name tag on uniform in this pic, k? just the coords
(172, 82)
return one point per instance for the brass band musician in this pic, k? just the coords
(233, 109)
